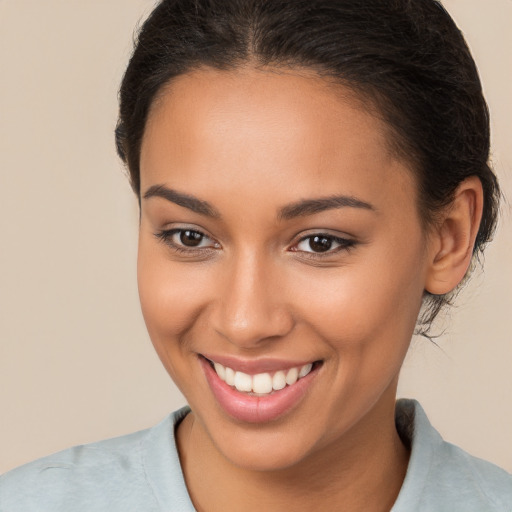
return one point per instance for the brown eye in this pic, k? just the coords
(323, 243)
(320, 243)
(187, 240)
(191, 238)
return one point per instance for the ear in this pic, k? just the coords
(451, 242)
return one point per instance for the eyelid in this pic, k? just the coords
(166, 236)
(344, 243)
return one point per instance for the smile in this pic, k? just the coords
(264, 392)
(261, 384)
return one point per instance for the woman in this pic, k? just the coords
(312, 179)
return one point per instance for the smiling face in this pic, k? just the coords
(278, 234)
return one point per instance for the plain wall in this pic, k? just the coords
(76, 363)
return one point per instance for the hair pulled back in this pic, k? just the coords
(407, 58)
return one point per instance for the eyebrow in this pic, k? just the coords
(300, 208)
(185, 200)
(311, 206)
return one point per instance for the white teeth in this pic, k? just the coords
(230, 376)
(261, 383)
(305, 370)
(279, 381)
(221, 371)
(292, 376)
(243, 382)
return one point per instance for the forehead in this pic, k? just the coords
(213, 129)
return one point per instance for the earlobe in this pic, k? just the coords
(452, 242)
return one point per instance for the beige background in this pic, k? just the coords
(76, 364)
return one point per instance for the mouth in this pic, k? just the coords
(261, 384)
(257, 397)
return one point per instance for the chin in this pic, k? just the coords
(266, 453)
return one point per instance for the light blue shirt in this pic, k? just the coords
(141, 472)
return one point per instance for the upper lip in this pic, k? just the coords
(255, 366)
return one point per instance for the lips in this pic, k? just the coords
(258, 396)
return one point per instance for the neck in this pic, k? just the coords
(362, 471)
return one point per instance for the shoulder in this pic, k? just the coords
(102, 475)
(107, 475)
(442, 476)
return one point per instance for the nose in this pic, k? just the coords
(251, 307)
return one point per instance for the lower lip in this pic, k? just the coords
(256, 409)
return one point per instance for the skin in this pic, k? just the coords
(250, 142)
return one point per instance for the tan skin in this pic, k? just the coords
(250, 143)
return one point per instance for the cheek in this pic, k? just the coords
(370, 304)
(171, 297)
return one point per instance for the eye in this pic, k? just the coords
(319, 243)
(190, 238)
(186, 240)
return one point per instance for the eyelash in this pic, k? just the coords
(166, 236)
(344, 244)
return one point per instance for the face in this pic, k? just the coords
(281, 260)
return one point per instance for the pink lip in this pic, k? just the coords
(253, 367)
(256, 409)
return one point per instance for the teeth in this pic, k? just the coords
(243, 382)
(221, 371)
(230, 376)
(261, 383)
(279, 381)
(305, 370)
(292, 376)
